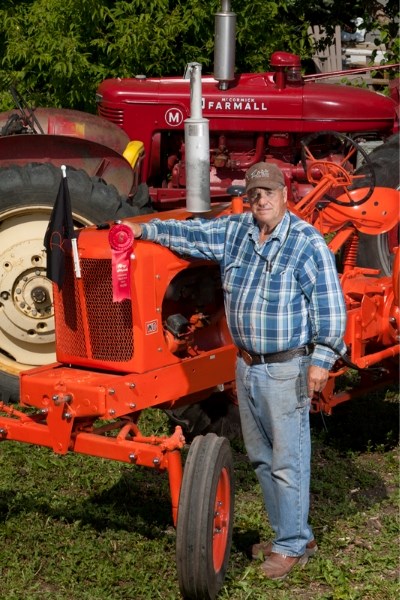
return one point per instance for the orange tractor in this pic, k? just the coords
(167, 345)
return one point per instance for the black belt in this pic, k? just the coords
(275, 357)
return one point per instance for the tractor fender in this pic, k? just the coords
(80, 140)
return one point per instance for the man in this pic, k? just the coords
(286, 314)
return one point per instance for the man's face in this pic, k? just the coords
(268, 206)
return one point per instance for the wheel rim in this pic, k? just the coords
(27, 336)
(221, 519)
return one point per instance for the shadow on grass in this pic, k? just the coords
(361, 425)
(138, 502)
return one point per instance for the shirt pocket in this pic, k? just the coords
(279, 287)
(231, 277)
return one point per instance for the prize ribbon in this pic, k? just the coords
(121, 239)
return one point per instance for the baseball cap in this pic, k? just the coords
(264, 175)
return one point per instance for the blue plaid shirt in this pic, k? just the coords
(279, 295)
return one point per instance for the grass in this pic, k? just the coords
(79, 528)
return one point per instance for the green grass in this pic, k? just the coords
(79, 528)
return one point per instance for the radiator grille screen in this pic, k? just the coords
(109, 323)
(69, 326)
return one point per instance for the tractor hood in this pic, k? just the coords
(253, 103)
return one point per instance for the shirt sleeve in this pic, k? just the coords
(327, 308)
(198, 238)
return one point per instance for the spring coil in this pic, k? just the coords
(350, 252)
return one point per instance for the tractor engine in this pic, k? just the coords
(175, 310)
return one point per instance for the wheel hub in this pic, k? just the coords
(32, 294)
(26, 306)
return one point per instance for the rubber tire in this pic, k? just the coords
(209, 460)
(373, 251)
(93, 202)
(91, 197)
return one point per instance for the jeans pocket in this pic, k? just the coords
(283, 371)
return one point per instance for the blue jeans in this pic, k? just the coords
(274, 411)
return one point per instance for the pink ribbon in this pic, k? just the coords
(121, 240)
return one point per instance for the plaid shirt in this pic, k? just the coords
(280, 295)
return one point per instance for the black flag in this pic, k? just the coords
(59, 230)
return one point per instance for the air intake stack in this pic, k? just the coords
(224, 45)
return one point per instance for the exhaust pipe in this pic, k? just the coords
(197, 147)
(224, 45)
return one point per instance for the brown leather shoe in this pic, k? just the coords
(278, 566)
(264, 549)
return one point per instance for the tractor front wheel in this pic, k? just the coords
(205, 518)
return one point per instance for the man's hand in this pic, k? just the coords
(316, 379)
(136, 228)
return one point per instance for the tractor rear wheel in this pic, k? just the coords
(376, 251)
(205, 518)
(27, 195)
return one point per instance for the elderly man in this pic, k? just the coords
(286, 314)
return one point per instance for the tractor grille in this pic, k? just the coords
(69, 325)
(115, 115)
(108, 324)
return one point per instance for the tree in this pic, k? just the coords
(58, 52)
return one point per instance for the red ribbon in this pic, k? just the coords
(121, 240)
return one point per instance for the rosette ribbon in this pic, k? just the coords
(121, 239)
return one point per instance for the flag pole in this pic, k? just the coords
(74, 242)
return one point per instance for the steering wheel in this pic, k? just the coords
(317, 152)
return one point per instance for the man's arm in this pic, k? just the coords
(327, 312)
(197, 238)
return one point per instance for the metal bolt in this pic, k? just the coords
(111, 412)
(18, 291)
(3, 432)
(55, 397)
(43, 411)
(132, 385)
(37, 273)
(132, 405)
(132, 456)
(156, 461)
(39, 294)
(111, 391)
(22, 305)
(67, 416)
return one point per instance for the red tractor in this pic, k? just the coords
(131, 161)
